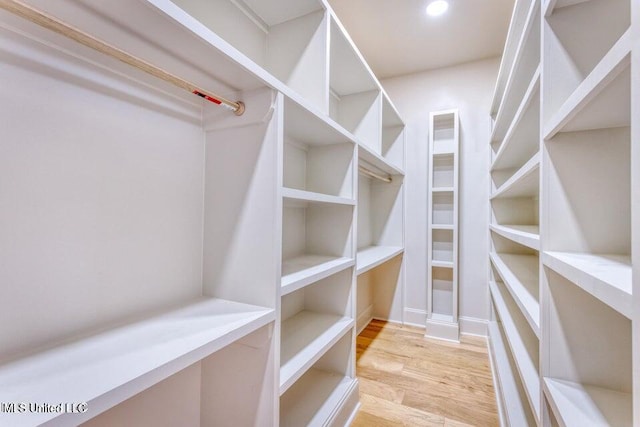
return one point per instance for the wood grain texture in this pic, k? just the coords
(409, 380)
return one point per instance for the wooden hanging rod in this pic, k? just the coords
(372, 174)
(54, 24)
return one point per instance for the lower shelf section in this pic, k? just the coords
(522, 342)
(372, 256)
(442, 326)
(319, 398)
(581, 405)
(106, 369)
(305, 338)
(513, 402)
(303, 270)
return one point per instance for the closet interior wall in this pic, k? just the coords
(162, 252)
(562, 230)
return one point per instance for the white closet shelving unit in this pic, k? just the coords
(562, 227)
(163, 252)
(515, 219)
(442, 253)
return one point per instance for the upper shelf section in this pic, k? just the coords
(232, 47)
(585, 63)
(287, 38)
(525, 63)
(516, 28)
(354, 94)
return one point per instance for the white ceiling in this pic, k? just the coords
(397, 37)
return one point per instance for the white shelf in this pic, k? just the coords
(294, 197)
(442, 264)
(106, 369)
(508, 143)
(526, 235)
(313, 399)
(514, 401)
(372, 256)
(442, 190)
(582, 405)
(523, 348)
(442, 227)
(366, 154)
(520, 275)
(523, 183)
(310, 126)
(305, 338)
(606, 277)
(304, 270)
(602, 100)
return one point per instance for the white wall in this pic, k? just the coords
(468, 87)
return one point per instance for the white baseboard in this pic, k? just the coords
(446, 331)
(473, 326)
(415, 317)
(363, 319)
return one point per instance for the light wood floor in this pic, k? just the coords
(408, 380)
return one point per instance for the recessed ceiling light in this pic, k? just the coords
(437, 7)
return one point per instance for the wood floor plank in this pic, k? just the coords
(409, 380)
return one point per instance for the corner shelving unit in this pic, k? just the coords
(166, 253)
(562, 228)
(442, 264)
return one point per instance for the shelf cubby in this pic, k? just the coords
(314, 318)
(286, 38)
(519, 274)
(523, 343)
(589, 227)
(317, 157)
(515, 205)
(522, 140)
(514, 402)
(444, 136)
(442, 246)
(579, 52)
(355, 98)
(327, 385)
(442, 293)
(316, 240)
(525, 65)
(442, 209)
(524, 182)
(393, 145)
(443, 172)
(576, 387)
(380, 220)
